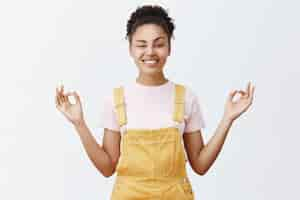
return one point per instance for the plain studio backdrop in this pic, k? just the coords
(219, 45)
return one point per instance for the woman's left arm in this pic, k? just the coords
(201, 157)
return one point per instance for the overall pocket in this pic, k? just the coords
(135, 159)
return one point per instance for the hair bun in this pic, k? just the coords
(150, 14)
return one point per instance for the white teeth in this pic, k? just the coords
(150, 61)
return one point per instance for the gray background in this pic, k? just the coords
(219, 45)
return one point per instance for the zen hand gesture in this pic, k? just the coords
(73, 112)
(233, 109)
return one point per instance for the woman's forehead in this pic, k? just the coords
(149, 32)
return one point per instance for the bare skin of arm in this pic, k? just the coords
(103, 157)
(202, 157)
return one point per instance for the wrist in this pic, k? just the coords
(79, 124)
(227, 120)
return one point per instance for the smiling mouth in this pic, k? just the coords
(151, 62)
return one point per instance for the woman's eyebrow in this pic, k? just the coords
(144, 41)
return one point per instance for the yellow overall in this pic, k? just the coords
(152, 161)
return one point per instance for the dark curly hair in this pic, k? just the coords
(150, 14)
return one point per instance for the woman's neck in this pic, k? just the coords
(151, 80)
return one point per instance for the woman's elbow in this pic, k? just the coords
(109, 170)
(199, 170)
(107, 174)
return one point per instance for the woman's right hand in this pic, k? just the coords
(73, 112)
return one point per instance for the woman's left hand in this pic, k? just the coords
(233, 109)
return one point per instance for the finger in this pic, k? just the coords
(58, 96)
(67, 97)
(59, 93)
(62, 89)
(77, 98)
(252, 93)
(72, 94)
(231, 94)
(63, 96)
(248, 88)
(56, 101)
(243, 94)
(62, 93)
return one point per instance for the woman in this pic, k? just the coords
(152, 126)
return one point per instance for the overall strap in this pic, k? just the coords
(179, 103)
(119, 104)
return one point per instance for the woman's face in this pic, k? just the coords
(149, 48)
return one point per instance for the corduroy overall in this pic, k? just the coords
(152, 161)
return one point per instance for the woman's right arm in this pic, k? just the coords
(104, 157)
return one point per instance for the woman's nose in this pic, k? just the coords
(149, 51)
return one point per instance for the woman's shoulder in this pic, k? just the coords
(108, 92)
(190, 93)
(111, 89)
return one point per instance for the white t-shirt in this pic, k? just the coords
(151, 107)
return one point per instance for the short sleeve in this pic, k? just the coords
(108, 118)
(195, 120)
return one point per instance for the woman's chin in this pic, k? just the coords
(151, 70)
